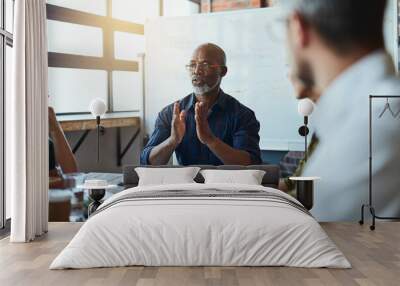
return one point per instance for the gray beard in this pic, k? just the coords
(204, 89)
(200, 90)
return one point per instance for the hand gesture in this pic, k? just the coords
(204, 132)
(178, 124)
(52, 120)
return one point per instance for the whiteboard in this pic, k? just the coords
(257, 60)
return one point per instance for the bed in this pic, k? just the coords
(198, 224)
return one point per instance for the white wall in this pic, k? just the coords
(174, 8)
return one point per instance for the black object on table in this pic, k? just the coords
(305, 193)
(305, 190)
(370, 203)
(96, 195)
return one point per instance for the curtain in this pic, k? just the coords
(26, 123)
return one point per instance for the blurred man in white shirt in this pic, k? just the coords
(337, 47)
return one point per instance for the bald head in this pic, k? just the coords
(212, 52)
(207, 68)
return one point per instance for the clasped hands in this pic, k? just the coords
(178, 124)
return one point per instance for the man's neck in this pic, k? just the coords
(332, 66)
(209, 98)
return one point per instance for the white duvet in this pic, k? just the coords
(200, 231)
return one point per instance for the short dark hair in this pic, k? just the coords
(345, 24)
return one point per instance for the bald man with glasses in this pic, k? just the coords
(207, 127)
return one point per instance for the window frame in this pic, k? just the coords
(107, 62)
(6, 39)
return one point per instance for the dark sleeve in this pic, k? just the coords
(52, 155)
(162, 131)
(246, 136)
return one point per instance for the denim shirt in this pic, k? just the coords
(229, 120)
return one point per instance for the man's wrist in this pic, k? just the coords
(212, 141)
(173, 142)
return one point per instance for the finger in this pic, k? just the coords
(196, 109)
(182, 115)
(176, 109)
(200, 107)
(203, 110)
(196, 114)
(197, 120)
(204, 106)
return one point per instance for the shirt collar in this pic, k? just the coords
(220, 103)
(221, 100)
(349, 89)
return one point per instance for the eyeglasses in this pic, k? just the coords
(204, 66)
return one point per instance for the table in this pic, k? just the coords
(80, 122)
(87, 123)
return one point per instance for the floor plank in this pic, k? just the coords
(375, 257)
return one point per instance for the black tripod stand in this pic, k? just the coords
(370, 203)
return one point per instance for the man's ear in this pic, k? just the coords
(300, 30)
(224, 71)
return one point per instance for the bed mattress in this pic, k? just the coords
(201, 225)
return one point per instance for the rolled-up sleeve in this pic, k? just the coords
(162, 131)
(246, 136)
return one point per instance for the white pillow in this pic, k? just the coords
(166, 176)
(247, 177)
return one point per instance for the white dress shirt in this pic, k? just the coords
(341, 121)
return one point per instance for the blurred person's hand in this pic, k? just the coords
(52, 119)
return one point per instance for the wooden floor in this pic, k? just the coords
(375, 257)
